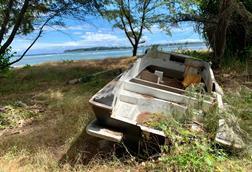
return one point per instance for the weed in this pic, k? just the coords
(67, 61)
(187, 150)
(3, 121)
(27, 66)
(12, 115)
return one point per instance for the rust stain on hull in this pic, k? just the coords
(146, 117)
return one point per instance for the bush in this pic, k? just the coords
(187, 150)
(5, 59)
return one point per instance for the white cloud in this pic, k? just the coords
(20, 45)
(68, 28)
(89, 39)
(181, 29)
(77, 33)
(100, 37)
(155, 29)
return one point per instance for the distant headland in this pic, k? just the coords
(125, 47)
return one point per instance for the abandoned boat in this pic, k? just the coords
(155, 84)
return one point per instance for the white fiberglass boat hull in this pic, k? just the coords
(152, 85)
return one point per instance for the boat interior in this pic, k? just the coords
(165, 79)
(154, 80)
(152, 77)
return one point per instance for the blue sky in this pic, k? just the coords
(96, 31)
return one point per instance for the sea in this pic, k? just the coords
(101, 54)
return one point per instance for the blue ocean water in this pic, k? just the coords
(101, 54)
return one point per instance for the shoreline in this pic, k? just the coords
(75, 62)
(34, 60)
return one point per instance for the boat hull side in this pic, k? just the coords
(103, 116)
(102, 113)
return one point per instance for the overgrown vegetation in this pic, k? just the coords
(187, 150)
(190, 149)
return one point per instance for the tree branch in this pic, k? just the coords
(193, 18)
(125, 30)
(128, 19)
(33, 42)
(145, 7)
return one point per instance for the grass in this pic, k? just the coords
(43, 119)
(42, 115)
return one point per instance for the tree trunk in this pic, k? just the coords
(220, 40)
(134, 52)
(225, 14)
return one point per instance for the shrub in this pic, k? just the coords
(5, 59)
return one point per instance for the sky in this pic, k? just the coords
(96, 31)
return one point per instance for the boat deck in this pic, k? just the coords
(167, 80)
(132, 106)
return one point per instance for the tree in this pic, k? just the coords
(23, 17)
(225, 24)
(231, 33)
(135, 16)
